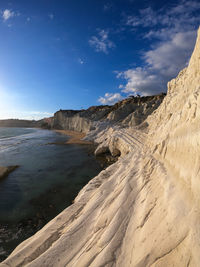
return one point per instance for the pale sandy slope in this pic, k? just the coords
(144, 210)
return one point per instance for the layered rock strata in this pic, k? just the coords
(128, 112)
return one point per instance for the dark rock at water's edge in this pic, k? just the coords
(104, 159)
(4, 171)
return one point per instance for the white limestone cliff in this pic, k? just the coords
(144, 210)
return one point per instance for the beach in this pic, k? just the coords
(75, 137)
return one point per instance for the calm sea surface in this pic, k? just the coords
(49, 177)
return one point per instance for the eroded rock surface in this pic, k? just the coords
(128, 112)
(144, 209)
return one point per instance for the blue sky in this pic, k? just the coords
(75, 54)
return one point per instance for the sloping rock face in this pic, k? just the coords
(128, 112)
(144, 209)
(71, 120)
(134, 110)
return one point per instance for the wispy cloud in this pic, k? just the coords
(51, 16)
(175, 18)
(172, 32)
(110, 98)
(81, 61)
(107, 6)
(7, 14)
(101, 42)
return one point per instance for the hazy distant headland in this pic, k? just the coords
(128, 112)
(25, 123)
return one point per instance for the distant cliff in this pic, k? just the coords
(129, 112)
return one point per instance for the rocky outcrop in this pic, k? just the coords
(4, 171)
(134, 110)
(128, 112)
(144, 209)
(71, 120)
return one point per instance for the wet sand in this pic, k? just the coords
(75, 137)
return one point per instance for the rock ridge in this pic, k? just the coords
(128, 112)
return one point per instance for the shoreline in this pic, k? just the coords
(31, 224)
(104, 159)
(75, 137)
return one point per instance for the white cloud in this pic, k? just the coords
(101, 43)
(7, 14)
(169, 57)
(173, 31)
(162, 63)
(139, 80)
(110, 98)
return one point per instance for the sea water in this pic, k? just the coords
(49, 176)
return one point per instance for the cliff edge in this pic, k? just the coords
(144, 209)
